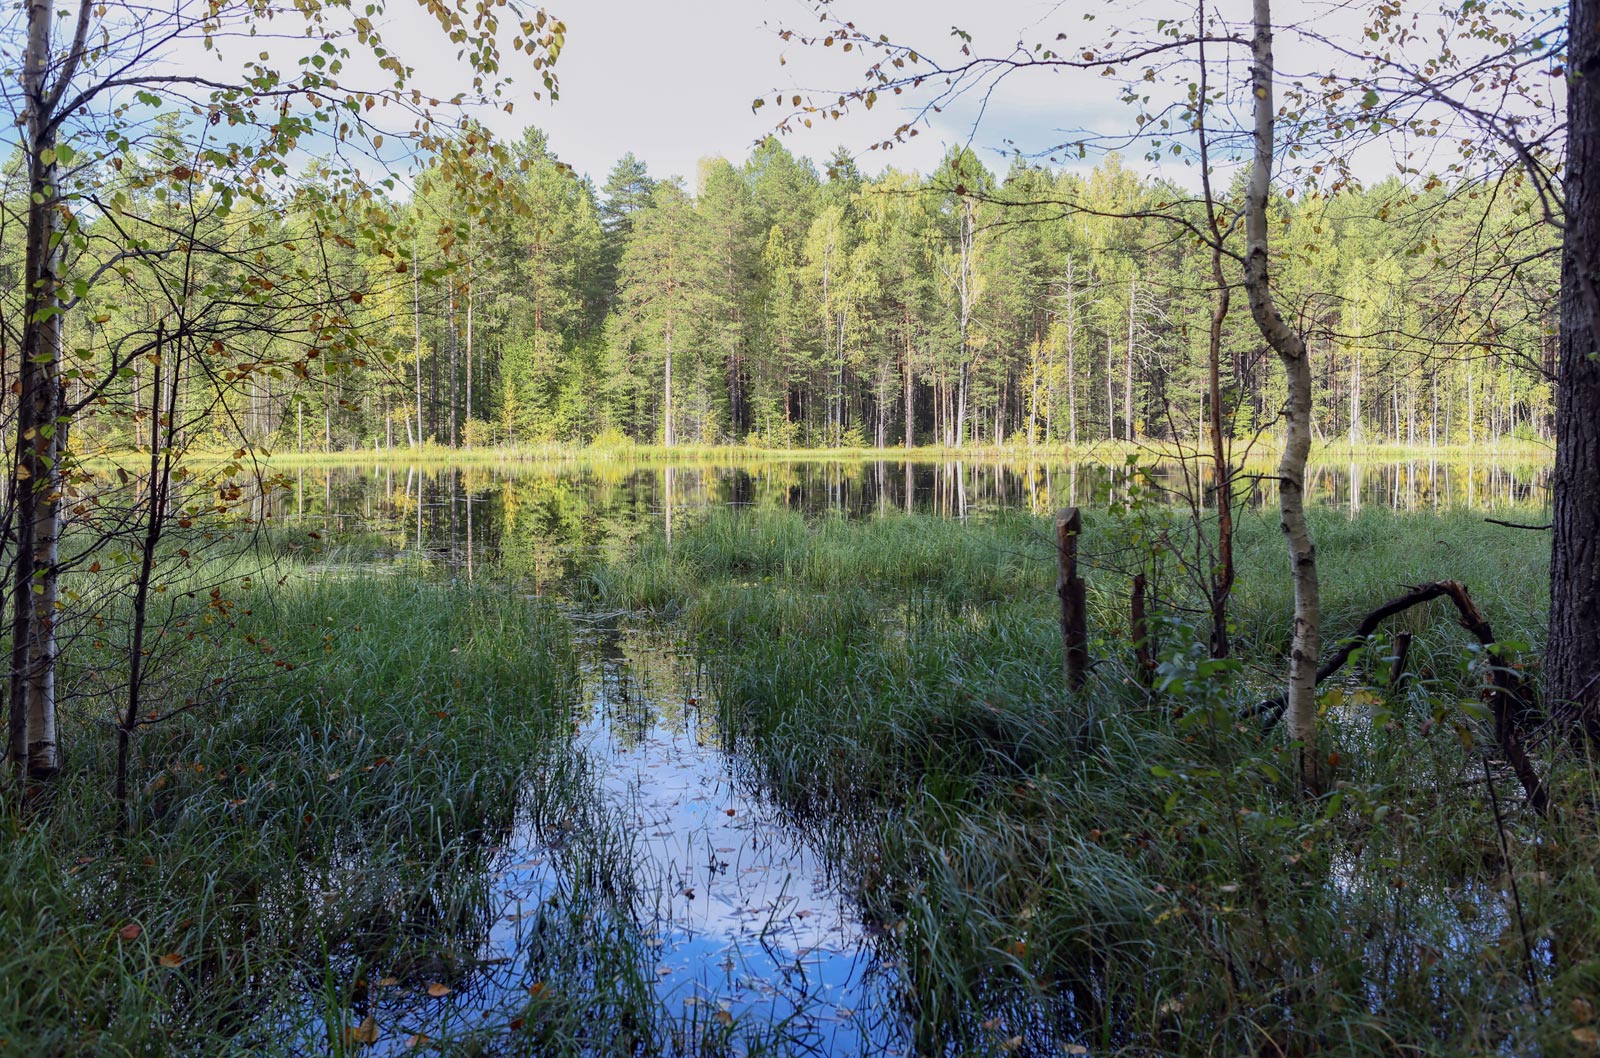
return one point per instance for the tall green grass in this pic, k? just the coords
(1132, 870)
(334, 813)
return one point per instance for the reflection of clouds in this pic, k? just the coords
(744, 913)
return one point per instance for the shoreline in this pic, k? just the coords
(1523, 453)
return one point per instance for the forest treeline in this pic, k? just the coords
(784, 304)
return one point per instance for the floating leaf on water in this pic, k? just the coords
(722, 1017)
(172, 960)
(388, 982)
(536, 989)
(1012, 1044)
(366, 1032)
(131, 931)
(419, 1040)
(1074, 1048)
(663, 970)
(438, 990)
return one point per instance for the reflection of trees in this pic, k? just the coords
(543, 522)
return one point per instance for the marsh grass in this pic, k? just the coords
(326, 835)
(1133, 871)
(340, 814)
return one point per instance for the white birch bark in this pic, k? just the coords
(1300, 716)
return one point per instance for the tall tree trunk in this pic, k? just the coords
(1111, 399)
(416, 335)
(961, 400)
(1222, 576)
(1355, 396)
(1127, 378)
(1300, 716)
(910, 422)
(668, 432)
(1072, 367)
(41, 436)
(1572, 657)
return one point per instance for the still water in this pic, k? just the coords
(740, 909)
(545, 521)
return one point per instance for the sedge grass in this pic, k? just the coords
(1131, 871)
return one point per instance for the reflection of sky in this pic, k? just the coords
(739, 913)
(745, 913)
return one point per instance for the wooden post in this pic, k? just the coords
(1397, 670)
(1144, 662)
(1069, 586)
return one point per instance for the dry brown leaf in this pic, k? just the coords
(366, 1032)
(439, 991)
(131, 931)
(171, 960)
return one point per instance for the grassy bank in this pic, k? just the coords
(1131, 870)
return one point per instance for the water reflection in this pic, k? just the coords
(744, 913)
(545, 521)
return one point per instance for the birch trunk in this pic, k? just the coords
(40, 438)
(1127, 378)
(1300, 716)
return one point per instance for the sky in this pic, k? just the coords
(673, 82)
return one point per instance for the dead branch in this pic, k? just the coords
(1506, 694)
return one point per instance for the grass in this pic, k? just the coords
(316, 828)
(1132, 871)
(1128, 870)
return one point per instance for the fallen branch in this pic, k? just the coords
(1515, 525)
(1506, 693)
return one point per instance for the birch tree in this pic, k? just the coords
(1305, 649)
